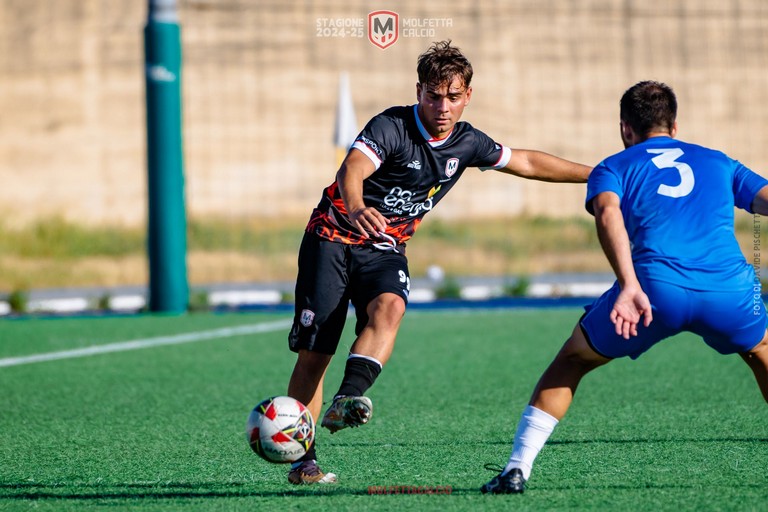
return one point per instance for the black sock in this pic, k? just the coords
(310, 455)
(359, 375)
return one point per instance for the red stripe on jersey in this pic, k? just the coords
(325, 223)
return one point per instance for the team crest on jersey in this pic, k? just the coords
(307, 317)
(451, 166)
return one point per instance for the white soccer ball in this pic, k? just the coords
(280, 429)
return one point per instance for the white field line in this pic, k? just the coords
(123, 346)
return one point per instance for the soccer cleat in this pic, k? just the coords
(308, 472)
(347, 411)
(511, 482)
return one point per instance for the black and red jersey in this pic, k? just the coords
(413, 173)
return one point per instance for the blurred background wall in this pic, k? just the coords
(260, 81)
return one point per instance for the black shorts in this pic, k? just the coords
(331, 275)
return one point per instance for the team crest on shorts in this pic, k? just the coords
(307, 317)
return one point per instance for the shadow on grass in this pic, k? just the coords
(172, 491)
(31, 491)
(159, 491)
(661, 440)
(507, 442)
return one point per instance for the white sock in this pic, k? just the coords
(534, 429)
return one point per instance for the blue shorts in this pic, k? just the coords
(729, 322)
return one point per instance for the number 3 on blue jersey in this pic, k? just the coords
(666, 159)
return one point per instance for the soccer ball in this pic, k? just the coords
(280, 429)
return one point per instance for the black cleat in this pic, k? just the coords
(512, 482)
(308, 472)
(347, 411)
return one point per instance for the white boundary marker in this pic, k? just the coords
(176, 339)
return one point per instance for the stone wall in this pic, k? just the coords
(260, 80)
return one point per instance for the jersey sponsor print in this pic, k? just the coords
(413, 173)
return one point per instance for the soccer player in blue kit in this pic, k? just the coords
(400, 166)
(664, 212)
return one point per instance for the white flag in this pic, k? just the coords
(345, 130)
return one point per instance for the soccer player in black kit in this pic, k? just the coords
(400, 166)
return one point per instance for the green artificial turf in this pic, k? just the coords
(162, 428)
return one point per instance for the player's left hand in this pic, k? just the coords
(630, 305)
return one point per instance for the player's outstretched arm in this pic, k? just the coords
(632, 302)
(537, 165)
(355, 168)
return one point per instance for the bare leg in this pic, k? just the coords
(306, 384)
(757, 359)
(550, 401)
(377, 338)
(557, 386)
(369, 353)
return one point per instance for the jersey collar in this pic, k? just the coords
(424, 133)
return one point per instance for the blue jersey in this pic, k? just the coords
(677, 201)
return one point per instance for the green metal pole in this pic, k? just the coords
(167, 225)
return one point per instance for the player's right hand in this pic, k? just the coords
(368, 221)
(630, 305)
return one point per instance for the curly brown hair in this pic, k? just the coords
(441, 62)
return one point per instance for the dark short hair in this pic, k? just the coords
(441, 62)
(649, 106)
